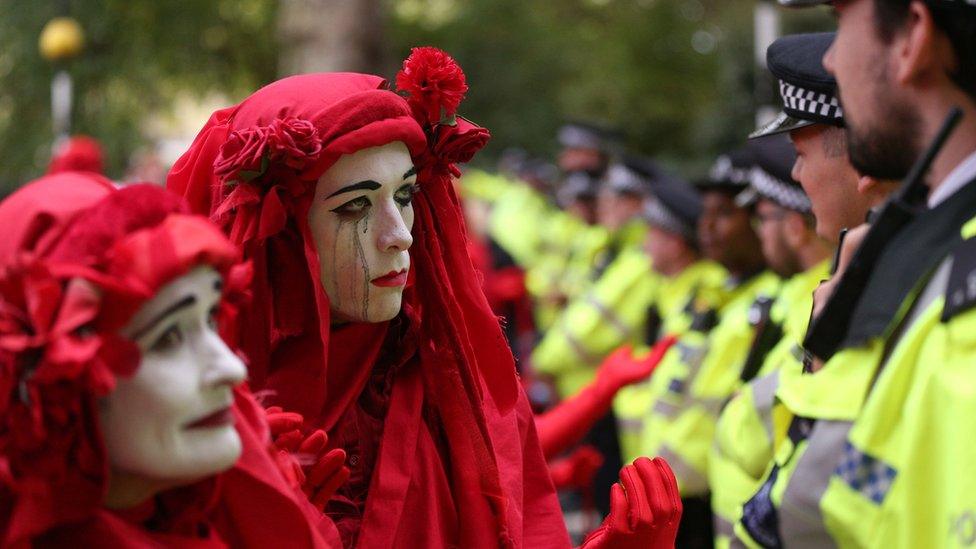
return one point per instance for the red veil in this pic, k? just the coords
(59, 352)
(457, 459)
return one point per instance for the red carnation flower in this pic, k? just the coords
(435, 84)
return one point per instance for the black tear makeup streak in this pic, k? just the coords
(335, 265)
(362, 258)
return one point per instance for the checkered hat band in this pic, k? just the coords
(810, 105)
(723, 170)
(659, 215)
(785, 194)
(624, 180)
(575, 137)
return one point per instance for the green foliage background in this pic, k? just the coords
(530, 64)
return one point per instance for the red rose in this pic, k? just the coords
(288, 143)
(243, 151)
(435, 84)
(459, 143)
(293, 142)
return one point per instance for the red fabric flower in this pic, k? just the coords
(435, 84)
(457, 144)
(248, 153)
(53, 364)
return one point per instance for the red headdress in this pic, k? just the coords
(254, 167)
(79, 153)
(63, 298)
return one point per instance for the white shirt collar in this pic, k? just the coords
(957, 179)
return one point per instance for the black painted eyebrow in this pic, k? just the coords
(368, 185)
(187, 301)
(411, 171)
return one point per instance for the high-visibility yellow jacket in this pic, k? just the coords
(488, 187)
(907, 476)
(517, 219)
(611, 313)
(873, 449)
(560, 272)
(743, 443)
(694, 381)
(673, 307)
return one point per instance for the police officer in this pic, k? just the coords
(672, 216)
(872, 455)
(586, 146)
(611, 311)
(814, 120)
(702, 370)
(744, 435)
(794, 250)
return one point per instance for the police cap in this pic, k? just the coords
(808, 91)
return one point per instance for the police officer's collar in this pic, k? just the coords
(807, 90)
(906, 261)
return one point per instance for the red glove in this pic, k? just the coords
(622, 368)
(304, 460)
(645, 509)
(577, 469)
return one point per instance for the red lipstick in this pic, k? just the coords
(391, 279)
(224, 416)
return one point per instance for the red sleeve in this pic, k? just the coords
(542, 524)
(566, 424)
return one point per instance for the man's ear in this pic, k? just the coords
(796, 230)
(918, 47)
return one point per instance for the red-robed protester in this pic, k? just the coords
(367, 317)
(94, 449)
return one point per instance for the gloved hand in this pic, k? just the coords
(305, 461)
(622, 368)
(577, 469)
(645, 509)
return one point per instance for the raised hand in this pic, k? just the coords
(645, 509)
(305, 460)
(622, 368)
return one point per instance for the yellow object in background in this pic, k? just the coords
(62, 38)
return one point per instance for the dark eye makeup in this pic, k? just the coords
(359, 205)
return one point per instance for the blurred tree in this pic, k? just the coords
(139, 56)
(676, 75)
(331, 35)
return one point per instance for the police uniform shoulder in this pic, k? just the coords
(960, 295)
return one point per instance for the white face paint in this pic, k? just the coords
(171, 422)
(360, 220)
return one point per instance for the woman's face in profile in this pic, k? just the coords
(171, 422)
(360, 220)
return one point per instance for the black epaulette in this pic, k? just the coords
(960, 293)
(704, 321)
(652, 325)
(766, 334)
